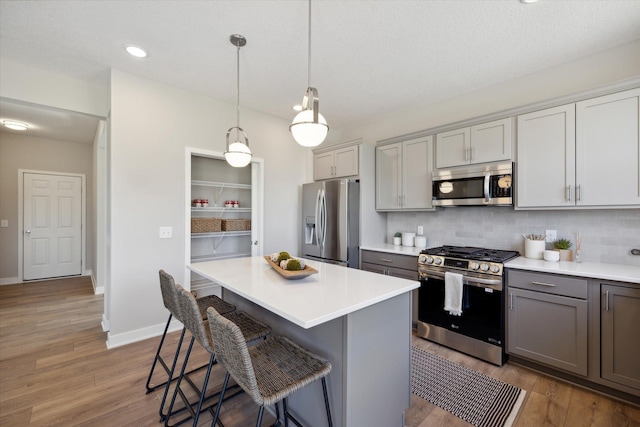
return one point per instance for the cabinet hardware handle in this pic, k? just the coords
(606, 300)
(385, 260)
(510, 301)
(473, 153)
(466, 154)
(568, 196)
(543, 284)
(578, 193)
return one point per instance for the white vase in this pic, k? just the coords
(397, 241)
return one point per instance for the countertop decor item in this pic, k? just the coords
(408, 239)
(563, 247)
(397, 239)
(551, 255)
(578, 257)
(534, 245)
(291, 274)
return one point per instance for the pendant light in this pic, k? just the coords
(309, 128)
(238, 153)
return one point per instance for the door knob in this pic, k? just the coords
(28, 232)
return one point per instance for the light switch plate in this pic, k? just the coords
(552, 235)
(4, 223)
(166, 232)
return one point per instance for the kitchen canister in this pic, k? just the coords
(407, 239)
(420, 242)
(533, 249)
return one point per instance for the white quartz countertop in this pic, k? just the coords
(393, 249)
(333, 292)
(595, 270)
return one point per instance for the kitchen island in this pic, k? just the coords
(359, 321)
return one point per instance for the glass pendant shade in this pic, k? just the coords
(238, 153)
(306, 132)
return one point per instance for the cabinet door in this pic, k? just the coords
(491, 141)
(620, 352)
(548, 329)
(323, 166)
(546, 158)
(452, 148)
(388, 178)
(346, 161)
(416, 173)
(608, 150)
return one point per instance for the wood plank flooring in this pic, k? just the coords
(55, 370)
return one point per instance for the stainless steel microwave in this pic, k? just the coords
(490, 184)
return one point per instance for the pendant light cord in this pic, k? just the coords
(238, 90)
(309, 50)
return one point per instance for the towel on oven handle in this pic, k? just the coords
(453, 293)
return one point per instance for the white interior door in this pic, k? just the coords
(52, 224)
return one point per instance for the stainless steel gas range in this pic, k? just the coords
(480, 329)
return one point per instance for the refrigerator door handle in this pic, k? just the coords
(317, 220)
(324, 217)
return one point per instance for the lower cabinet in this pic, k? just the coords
(620, 346)
(404, 266)
(547, 320)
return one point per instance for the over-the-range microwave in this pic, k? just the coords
(490, 184)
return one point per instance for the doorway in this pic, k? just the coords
(52, 230)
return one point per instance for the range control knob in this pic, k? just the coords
(485, 267)
(495, 268)
(422, 259)
(430, 260)
(475, 266)
(438, 261)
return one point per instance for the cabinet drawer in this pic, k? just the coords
(407, 262)
(547, 283)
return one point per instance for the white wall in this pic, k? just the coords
(151, 124)
(601, 69)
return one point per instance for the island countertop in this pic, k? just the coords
(333, 292)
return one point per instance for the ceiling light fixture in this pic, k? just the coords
(11, 124)
(528, 1)
(136, 51)
(238, 153)
(309, 128)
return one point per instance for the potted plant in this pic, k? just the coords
(397, 239)
(564, 247)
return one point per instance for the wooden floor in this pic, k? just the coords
(55, 370)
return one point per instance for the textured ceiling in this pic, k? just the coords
(369, 58)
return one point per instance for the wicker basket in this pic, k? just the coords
(206, 225)
(236, 224)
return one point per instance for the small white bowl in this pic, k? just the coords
(551, 255)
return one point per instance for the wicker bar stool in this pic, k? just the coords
(270, 371)
(169, 298)
(249, 329)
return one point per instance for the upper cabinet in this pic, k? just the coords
(338, 163)
(403, 175)
(585, 154)
(486, 142)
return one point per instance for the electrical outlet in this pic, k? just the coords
(420, 230)
(552, 235)
(166, 232)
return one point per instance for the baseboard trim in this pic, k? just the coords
(97, 290)
(118, 340)
(105, 323)
(9, 281)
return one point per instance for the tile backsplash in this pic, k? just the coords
(607, 235)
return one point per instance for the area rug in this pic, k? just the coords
(476, 398)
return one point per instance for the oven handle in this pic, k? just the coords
(495, 284)
(487, 193)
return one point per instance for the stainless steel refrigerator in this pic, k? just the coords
(331, 221)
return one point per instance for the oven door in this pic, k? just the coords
(482, 309)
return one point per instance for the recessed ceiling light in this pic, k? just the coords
(528, 1)
(15, 125)
(297, 107)
(136, 51)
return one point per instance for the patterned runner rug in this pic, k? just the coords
(476, 398)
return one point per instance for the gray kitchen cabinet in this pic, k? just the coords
(486, 142)
(585, 154)
(403, 175)
(336, 163)
(404, 266)
(547, 320)
(620, 346)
